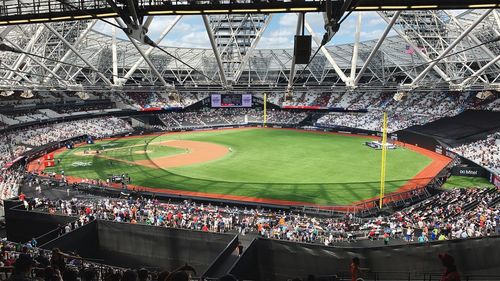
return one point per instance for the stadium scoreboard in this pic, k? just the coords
(231, 100)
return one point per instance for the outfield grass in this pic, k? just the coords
(291, 165)
(466, 182)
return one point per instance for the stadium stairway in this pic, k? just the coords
(474, 204)
(7, 120)
(308, 121)
(227, 264)
(494, 202)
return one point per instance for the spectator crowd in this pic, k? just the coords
(230, 116)
(455, 214)
(484, 152)
(15, 144)
(415, 109)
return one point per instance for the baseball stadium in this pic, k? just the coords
(266, 165)
(249, 140)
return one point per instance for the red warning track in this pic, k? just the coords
(439, 162)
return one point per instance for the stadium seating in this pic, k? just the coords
(485, 152)
(224, 117)
(454, 214)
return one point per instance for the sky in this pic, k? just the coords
(190, 30)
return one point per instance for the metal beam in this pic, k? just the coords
(418, 50)
(325, 52)
(256, 40)
(133, 12)
(355, 49)
(211, 36)
(58, 35)
(291, 77)
(150, 49)
(7, 30)
(473, 37)
(497, 18)
(148, 22)
(450, 47)
(37, 62)
(377, 47)
(34, 12)
(115, 56)
(26, 49)
(68, 52)
(481, 70)
(144, 56)
(18, 72)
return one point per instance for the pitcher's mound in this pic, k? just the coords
(196, 152)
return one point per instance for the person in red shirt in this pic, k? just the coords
(354, 269)
(450, 272)
(22, 196)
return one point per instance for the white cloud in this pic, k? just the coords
(190, 30)
(276, 42)
(197, 39)
(288, 21)
(159, 24)
(106, 28)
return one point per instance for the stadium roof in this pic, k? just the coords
(431, 50)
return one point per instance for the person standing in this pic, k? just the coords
(354, 269)
(450, 272)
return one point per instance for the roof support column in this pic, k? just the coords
(354, 61)
(143, 54)
(377, 47)
(150, 49)
(68, 52)
(481, 70)
(325, 52)
(115, 57)
(211, 36)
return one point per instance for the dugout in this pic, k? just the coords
(268, 259)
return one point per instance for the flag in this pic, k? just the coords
(409, 50)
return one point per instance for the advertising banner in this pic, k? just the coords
(469, 171)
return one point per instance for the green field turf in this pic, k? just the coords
(291, 165)
(466, 182)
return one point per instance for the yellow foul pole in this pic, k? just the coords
(383, 162)
(265, 109)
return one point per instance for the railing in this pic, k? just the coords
(406, 276)
(36, 11)
(56, 10)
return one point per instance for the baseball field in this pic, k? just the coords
(251, 163)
